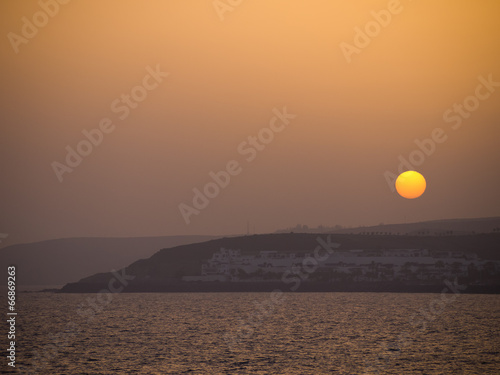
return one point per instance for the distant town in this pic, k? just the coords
(417, 266)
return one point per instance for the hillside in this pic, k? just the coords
(57, 262)
(435, 227)
(168, 265)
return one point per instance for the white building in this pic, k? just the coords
(360, 264)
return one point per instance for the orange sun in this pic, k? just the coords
(410, 184)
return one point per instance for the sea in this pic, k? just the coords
(255, 333)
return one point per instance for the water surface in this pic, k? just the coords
(253, 333)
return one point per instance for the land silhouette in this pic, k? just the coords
(60, 261)
(398, 263)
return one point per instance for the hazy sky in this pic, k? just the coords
(365, 79)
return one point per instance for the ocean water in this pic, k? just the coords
(257, 333)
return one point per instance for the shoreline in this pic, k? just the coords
(263, 287)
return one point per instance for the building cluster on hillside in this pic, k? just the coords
(417, 265)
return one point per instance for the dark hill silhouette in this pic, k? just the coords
(57, 262)
(163, 270)
(435, 227)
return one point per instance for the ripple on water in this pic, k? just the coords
(224, 333)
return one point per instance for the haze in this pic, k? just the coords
(225, 77)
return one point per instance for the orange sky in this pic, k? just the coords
(354, 119)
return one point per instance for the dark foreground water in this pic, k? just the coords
(257, 333)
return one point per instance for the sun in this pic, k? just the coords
(410, 184)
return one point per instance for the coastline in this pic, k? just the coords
(262, 287)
